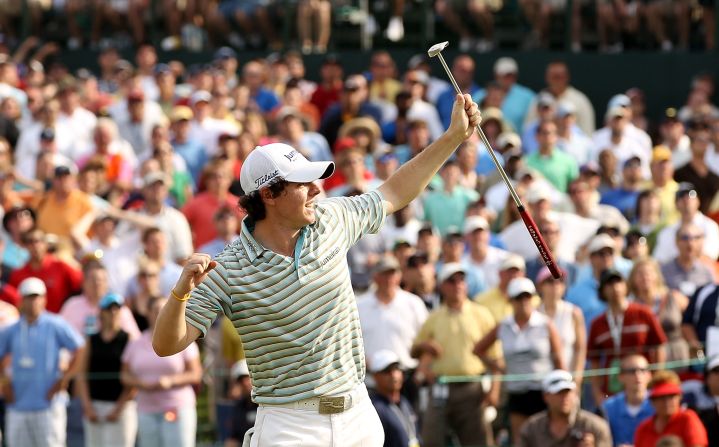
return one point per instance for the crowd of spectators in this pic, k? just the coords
(110, 180)
(609, 26)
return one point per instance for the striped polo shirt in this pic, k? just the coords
(297, 316)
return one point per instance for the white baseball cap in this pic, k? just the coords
(505, 65)
(32, 286)
(600, 242)
(475, 223)
(520, 286)
(558, 380)
(513, 261)
(382, 359)
(265, 163)
(450, 269)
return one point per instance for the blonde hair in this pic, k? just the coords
(654, 265)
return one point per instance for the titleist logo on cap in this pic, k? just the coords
(266, 178)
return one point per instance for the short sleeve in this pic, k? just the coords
(191, 352)
(206, 301)
(358, 215)
(68, 337)
(425, 332)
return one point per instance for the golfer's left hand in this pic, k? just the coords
(465, 116)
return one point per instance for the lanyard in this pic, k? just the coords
(406, 422)
(615, 329)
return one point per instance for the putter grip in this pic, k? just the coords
(539, 242)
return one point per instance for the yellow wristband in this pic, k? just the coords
(184, 298)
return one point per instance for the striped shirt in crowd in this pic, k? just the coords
(297, 316)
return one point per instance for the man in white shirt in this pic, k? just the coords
(687, 203)
(389, 316)
(78, 120)
(620, 135)
(204, 128)
(482, 260)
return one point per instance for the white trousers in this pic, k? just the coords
(358, 426)
(121, 433)
(44, 428)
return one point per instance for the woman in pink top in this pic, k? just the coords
(165, 398)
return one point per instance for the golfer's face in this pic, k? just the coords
(297, 203)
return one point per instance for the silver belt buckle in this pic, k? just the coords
(332, 405)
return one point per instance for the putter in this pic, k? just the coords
(544, 252)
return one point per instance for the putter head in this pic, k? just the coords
(437, 48)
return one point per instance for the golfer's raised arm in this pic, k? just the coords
(411, 179)
(172, 332)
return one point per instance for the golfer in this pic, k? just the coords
(285, 285)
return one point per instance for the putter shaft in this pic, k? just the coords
(502, 173)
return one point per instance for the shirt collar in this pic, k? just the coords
(251, 246)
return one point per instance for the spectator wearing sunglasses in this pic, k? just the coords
(626, 410)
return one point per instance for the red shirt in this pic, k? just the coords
(9, 294)
(323, 97)
(640, 332)
(685, 424)
(200, 213)
(61, 280)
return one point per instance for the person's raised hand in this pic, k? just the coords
(465, 116)
(193, 273)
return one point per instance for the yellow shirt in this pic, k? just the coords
(232, 349)
(58, 217)
(667, 200)
(457, 332)
(498, 304)
(385, 91)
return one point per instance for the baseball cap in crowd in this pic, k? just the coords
(386, 264)
(161, 69)
(239, 369)
(154, 177)
(136, 95)
(613, 224)
(181, 113)
(200, 96)
(520, 286)
(661, 153)
(544, 274)
(32, 287)
(47, 134)
(685, 189)
(332, 59)
(416, 61)
(111, 299)
(473, 223)
(616, 112)
(352, 84)
(505, 66)
(620, 100)
(537, 194)
(608, 276)
(450, 269)
(665, 388)
(225, 53)
(453, 231)
(382, 360)
(601, 241)
(509, 139)
(513, 262)
(558, 380)
(545, 99)
(712, 363)
(279, 160)
(417, 259)
(590, 167)
(566, 108)
(671, 115)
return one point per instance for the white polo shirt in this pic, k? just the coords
(392, 326)
(297, 316)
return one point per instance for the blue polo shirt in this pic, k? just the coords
(515, 105)
(584, 294)
(702, 310)
(195, 156)
(397, 420)
(621, 422)
(445, 102)
(35, 351)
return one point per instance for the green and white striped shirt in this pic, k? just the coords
(297, 316)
